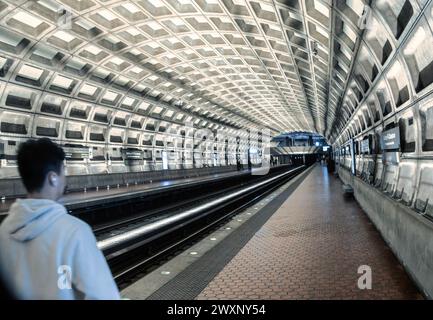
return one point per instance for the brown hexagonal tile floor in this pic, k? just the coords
(311, 248)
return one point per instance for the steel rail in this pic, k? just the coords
(160, 224)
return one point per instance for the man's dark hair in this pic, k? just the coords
(35, 159)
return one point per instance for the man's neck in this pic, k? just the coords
(39, 195)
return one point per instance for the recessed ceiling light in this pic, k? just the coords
(93, 49)
(322, 8)
(156, 3)
(110, 96)
(177, 22)
(28, 19)
(131, 7)
(88, 90)
(64, 36)
(128, 101)
(133, 32)
(107, 14)
(30, 72)
(62, 82)
(117, 61)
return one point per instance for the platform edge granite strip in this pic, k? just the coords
(188, 284)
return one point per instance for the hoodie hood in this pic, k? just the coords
(28, 218)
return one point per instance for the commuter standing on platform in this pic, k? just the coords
(45, 253)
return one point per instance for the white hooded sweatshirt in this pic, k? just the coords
(45, 253)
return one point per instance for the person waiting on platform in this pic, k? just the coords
(45, 253)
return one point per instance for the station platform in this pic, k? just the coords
(311, 248)
(310, 244)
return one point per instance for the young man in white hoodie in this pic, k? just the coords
(45, 253)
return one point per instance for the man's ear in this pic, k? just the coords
(53, 179)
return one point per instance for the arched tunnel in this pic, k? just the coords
(164, 108)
